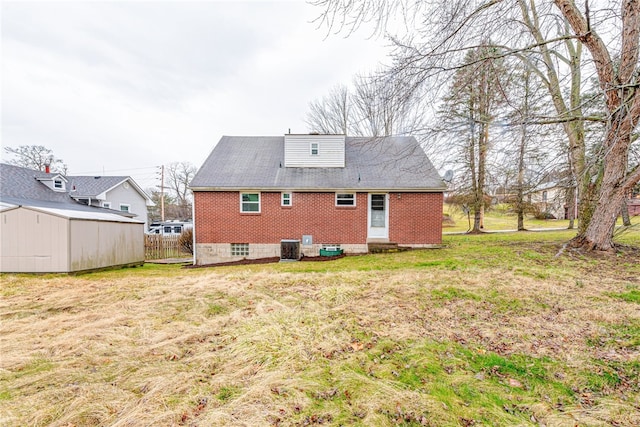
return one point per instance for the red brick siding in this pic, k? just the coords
(414, 218)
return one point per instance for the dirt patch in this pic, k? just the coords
(270, 260)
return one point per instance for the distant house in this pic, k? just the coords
(120, 193)
(254, 196)
(549, 198)
(633, 204)
(44, 230)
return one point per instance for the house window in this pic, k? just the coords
(345, 199)
(177, 229)
(124, 207)
(106, 205)
(315, 148)
(239, 249)
(167, 229)
(57, 183)
(250, 202)
(544, 196)
(285, 199)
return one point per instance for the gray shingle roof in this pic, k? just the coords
(383, 164)
(20, 186)
(91, 186)
(21, 183)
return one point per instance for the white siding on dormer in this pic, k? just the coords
(297, 151)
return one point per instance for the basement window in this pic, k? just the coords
(239, 249)
(345, 199)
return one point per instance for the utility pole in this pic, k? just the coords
(162, 193)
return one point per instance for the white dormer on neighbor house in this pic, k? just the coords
(314, 151)
(56, 182)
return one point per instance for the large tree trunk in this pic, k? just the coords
(619, 86)
(612, 190)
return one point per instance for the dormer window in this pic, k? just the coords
(303, 151)
(55, 182)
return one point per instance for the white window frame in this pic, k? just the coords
(314, 146)
(344, 194)
(259, 202)
(58, 184)
(283, 199)
(106, 205)
(127, 205)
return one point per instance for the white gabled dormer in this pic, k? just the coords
(314, 151)
(55, 182)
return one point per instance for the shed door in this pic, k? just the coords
(378, 216)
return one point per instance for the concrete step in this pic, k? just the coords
(386, 247)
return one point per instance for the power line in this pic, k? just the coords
(115, 170)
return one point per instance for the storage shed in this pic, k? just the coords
(59, 239)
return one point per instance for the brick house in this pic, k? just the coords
(317, 191)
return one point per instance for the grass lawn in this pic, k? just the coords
(492, 330)
(500, 218)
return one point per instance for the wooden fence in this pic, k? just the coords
(157, 246)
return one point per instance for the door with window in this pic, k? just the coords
(378, 216)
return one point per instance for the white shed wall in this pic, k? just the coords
(297, 151)
(99, 244)
(33, 242)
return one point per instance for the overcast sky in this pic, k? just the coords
(119, 88)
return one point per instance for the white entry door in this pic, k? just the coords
(378, 216)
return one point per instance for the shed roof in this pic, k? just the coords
(257, 162)
(94, 215)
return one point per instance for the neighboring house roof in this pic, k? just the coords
(96, 187)
(22, 187)
(24, 184)
(385, 164)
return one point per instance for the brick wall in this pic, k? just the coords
(413, 217)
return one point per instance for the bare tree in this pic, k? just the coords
(379, 105)
(619, 83)
(475, 94)
(178, 175)
(35, 157)
(331, 114)
(548, 36)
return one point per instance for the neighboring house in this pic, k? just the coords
(633, 204)
(120, 193)
(255, 194)
(549, 198)
(44, 230)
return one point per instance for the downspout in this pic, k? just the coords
(193, 235)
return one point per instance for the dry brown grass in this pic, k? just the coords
(273, 345)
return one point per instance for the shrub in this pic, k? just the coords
(185, 241)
